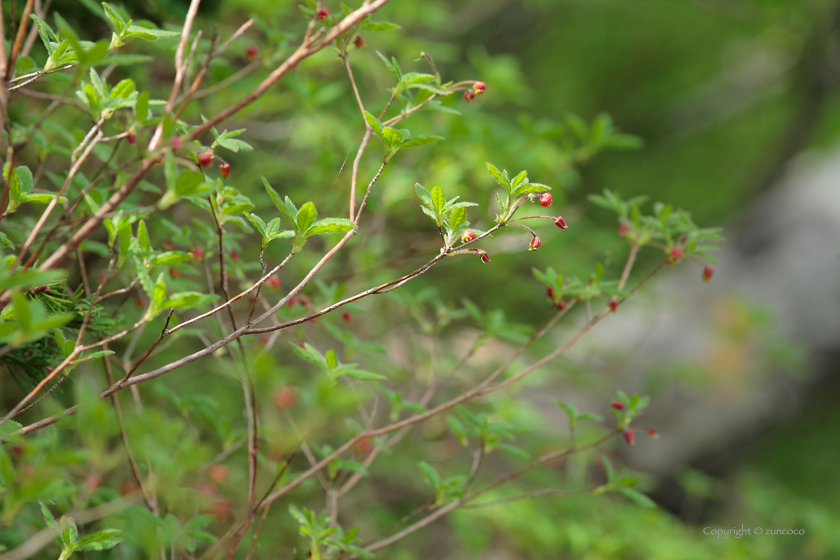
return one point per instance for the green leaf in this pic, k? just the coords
(330, 225)
(392, 137)
(310, 354)
(306, 216)
(141, 108)
(374, 123)
(349, 370)
(499, 176)
(438, 200)
(419, 141)
(8, 428)
(149, 34)
(431, 474)
(424, 195)
(457, 217)
(143, 236)
(115, 17)
(637, 497)
(48, 516)
(101, 540)
(170, 257)
(188, 299)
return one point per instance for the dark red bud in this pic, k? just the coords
(561, 223)
(560, 304)
(234, 256)
(205, 158)
(653, 433)
(629, 437)
(273, 283)
(346, 316)
(675, 255)
(224, 169)
(479, 88)
(468, 236)
(535, 244)
(708, 272)
(174, 273)
(251, 52)
(485, 257)
(322, 14)
(623, 229)
(469, 96)
(613, 305)
(132, 139)
(359, 42)
(549, 292)
(618, 405)
(197, 253)
(545, 199)
(176, 144)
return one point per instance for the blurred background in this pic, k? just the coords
(736, 105)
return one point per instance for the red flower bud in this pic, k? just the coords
(346, 316)
(168, 245)
(613, 305)
(559, 222)
(322, 14)
(273, 283)
(284, 398)
(629, 437)
(485, 257)
(132, 139)
(535, 244)
(675, 255)
(176, 144)
(469, 96)
(205, 158)
(224, 169)
(479, 88)
(618, 405)
(623, 229)
(550, 293)
(468, 236)
(359, 42)
(653, 433)
(197, 253)
(174, 273)
(251, 52)
(545, 199)
(560, 304)
(708, 272)
(234, 256)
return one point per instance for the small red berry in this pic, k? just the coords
(618, 405)
(629, 437)
(469, 96)
(174, 273)
(468, 236)
(675, 255)
(623, 229)
(535, 244)
(176, 144)
(708, 272)
(346, 316)
(613, 305)
(251, 52)
(545, 199)
(653, 433)
(234, 256)
(550, 293)
(485, 257)
(359, 42)
(479, 88)
(218, 474)
(205, 158)
(284, 398)
(197, 253)
(322, 14)
(273, 283)
(224, 169)
(132, 139)
(561, 223)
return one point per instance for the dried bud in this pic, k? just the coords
(322, 14)
(218, 474)
(176, 144)
(561, 223)
(197, 253)
(206, 158)
(224, 169)
(545, 199)
(132, 139)
(273, 283)
(479, 87)
(623, 229)
(653, 433)
(469, 96)
(675, 255)
(535, 244)
(485, 257)
(618, 406)
(359, 42)
(234, 256)
(346, 316)
(613, 305)
(629, 437)
(468, 236)
(708, 272)
(251, 52)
